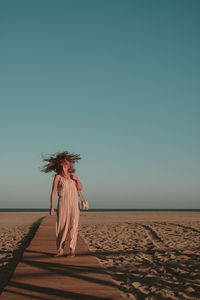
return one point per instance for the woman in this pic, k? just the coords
(66, 184)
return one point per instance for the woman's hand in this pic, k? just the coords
(73, 176)
(51, 211)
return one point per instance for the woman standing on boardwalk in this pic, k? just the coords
(66, 183)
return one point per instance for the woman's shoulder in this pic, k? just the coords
(57, 177)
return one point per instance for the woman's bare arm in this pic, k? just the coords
(78, 184)
(53, 193)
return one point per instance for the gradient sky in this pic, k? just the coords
(117, 82)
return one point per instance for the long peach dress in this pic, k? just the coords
(68, 210)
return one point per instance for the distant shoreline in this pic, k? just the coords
(95, 210)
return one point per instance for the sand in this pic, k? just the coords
(149, 255)
(16, 231)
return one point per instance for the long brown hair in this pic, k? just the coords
(55, 161)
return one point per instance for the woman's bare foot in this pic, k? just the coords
(72, 252)
(60, 252)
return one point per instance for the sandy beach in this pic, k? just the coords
(149, 255)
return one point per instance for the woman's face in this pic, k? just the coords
(66, 165)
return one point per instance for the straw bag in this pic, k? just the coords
(84, 203)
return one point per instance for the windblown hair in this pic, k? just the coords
(55, 161)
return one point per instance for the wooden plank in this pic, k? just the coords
(41, 275)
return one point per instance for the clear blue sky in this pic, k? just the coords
(114, 81)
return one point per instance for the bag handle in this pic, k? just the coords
(81, 196)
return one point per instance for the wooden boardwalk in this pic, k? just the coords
(41, 275)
